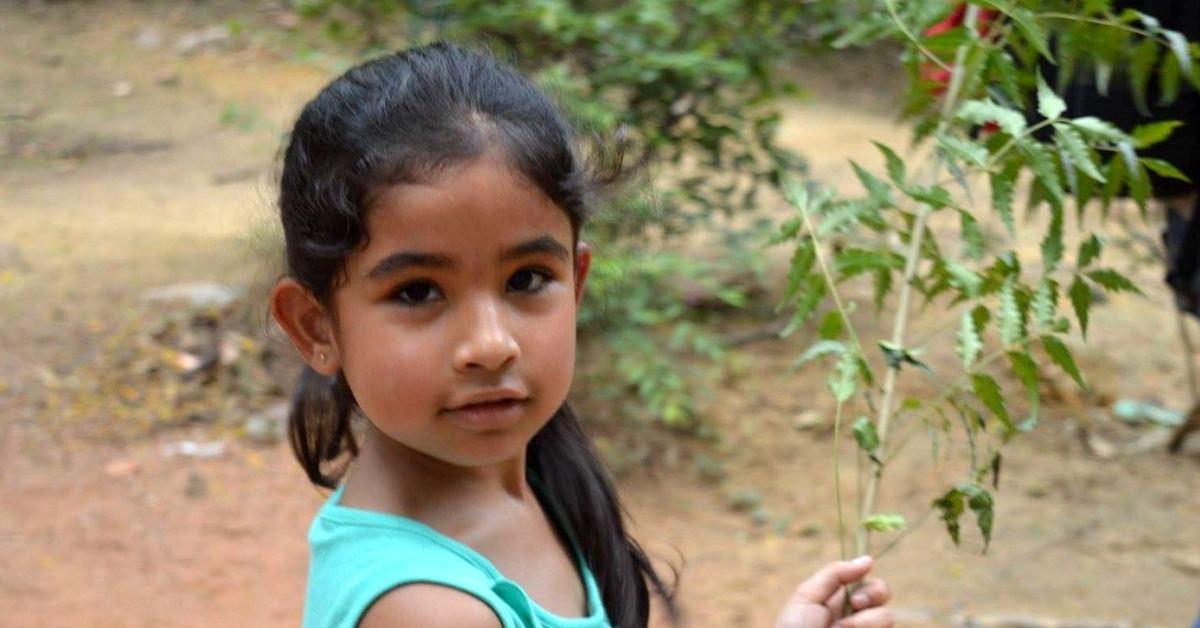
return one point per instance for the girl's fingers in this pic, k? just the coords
(874, 592)
(878, 617)
(822, 585)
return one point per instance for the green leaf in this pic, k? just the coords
(843, 382)
(1169, 81)
(1032, 30)
(964, 279)
(951, 507)
(1116, 175)
(970, 343)
(1045, 303)
(1042, 164)
(1104, 73)
(1163, 168)
(1089, 251)
(984, 111)
(1141, 65)
(1147, 135)
(883, 285)
(935, 196)
(808, 298)
(988, 392)
(981, 316)
(842, 215)
(895, 165)
(972, 237)
(1050, 104)
(865, 434)
(1026, 371)
(1003, 183)
(1072, 142)
(1139, 186)
(851, 262)
(1113, 281)
(819, 349)
(877, 189)
(982, 505)
(995, 464)
(1099, 129)
(1012, 323)
(1081, 300)
(969, 152)
(895, 356)
(1179, 46)
(831, 325)
(884, 523)
(1052, 244)
(1061, 355)
(1069, 173)
(1006, 74)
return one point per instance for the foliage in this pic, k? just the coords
(688, 84)
(916, 234)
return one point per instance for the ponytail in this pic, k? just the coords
(319, 426)
(579, 489)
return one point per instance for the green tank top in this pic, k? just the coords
(358, 555)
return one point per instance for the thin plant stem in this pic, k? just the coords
(837, 417)
(912, 260)
(837, 478)
(912, 38)
(828, 275)
(1092, 20)
(903, 533)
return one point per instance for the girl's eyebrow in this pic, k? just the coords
(404, 259)
(544, 244)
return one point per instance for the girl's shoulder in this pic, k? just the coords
(359, 557)
(426, 606)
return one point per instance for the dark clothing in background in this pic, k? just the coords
(1181, 235)
(1182, 149)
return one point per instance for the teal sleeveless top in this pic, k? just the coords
(358, 555)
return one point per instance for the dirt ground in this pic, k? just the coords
(126, 164)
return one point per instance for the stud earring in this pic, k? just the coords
(324, 358)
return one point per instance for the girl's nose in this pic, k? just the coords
(487, 342)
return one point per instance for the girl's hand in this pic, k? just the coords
(818, 601)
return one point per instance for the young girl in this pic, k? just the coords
(432, 202)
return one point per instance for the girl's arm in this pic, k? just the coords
(428, 606)
(817, 602)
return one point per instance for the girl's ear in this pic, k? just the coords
(583, 263)
(307, 324)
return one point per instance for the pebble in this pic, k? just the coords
(809, 420)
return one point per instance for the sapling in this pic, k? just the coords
(994, 117)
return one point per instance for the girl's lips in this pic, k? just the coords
(489, 415)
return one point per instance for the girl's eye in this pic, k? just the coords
(528, 281)
(417, 293)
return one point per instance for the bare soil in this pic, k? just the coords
(127, 165)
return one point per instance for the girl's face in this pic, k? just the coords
(456, 322)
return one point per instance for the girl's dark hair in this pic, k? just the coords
(406, 118)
